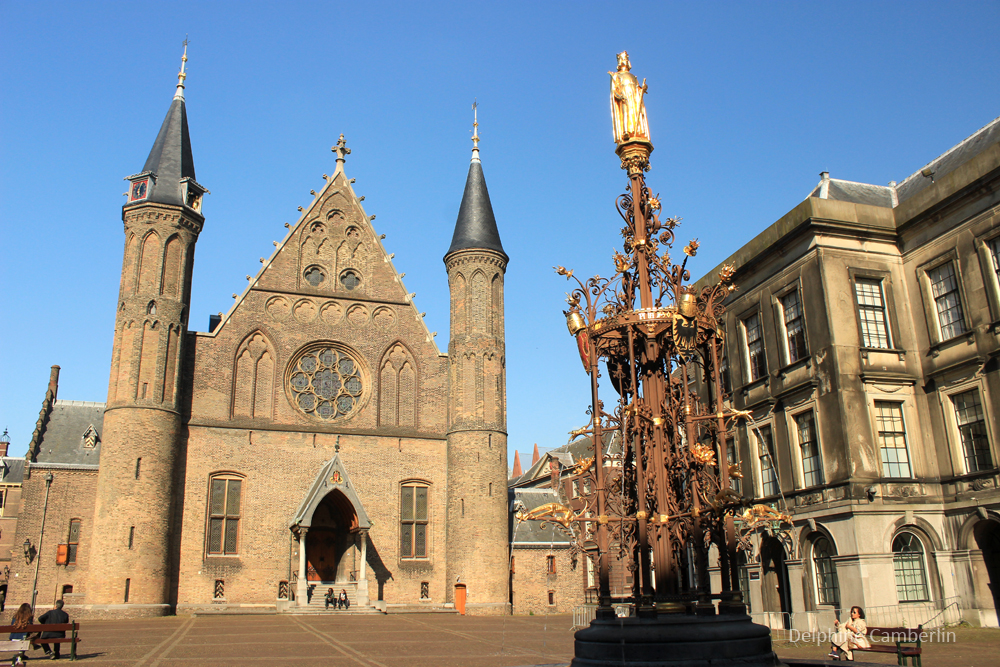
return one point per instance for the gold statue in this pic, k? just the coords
(628, 111)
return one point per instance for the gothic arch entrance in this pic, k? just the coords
(331, 553)
(331, 528)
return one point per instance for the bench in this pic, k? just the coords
(880, 639)
(73, 629)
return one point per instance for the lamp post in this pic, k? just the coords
(41, 532)
(669, 501)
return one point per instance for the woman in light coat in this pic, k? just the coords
(851, 635)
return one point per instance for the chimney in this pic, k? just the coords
(824, 185)
(554, 474)
(54, 381)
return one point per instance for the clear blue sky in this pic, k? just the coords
(747, 103)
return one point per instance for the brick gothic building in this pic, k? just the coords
(316, 434)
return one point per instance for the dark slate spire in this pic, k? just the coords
(170, 161)
(476, 227)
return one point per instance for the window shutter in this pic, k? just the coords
(421, 513)
(215, 536)
(61, 553)
(406, 511)
(406, 540)
(233, 499)
(218, 496)
(420, 543)
(232, 532)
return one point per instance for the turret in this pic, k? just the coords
(133, 521)
(477, 428)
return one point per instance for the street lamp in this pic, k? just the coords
(27, 551)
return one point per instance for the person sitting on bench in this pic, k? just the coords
(852, 635)
(53, 617)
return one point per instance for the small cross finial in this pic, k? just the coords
(475, 129)
(182, 74)
(342, 152)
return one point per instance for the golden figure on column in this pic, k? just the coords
(628, 111)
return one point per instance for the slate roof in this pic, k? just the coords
(858, 193)
(890, 196)
(476, 226)
(62, 441)
(567, 455)
(170, 159)
(11, 470)
(947, 162)
(531, 532)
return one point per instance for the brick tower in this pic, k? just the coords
(133, 531)
(477, 427)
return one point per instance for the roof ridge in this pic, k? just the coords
(951, 150)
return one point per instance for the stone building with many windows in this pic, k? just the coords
(315, 436)
(864, 341)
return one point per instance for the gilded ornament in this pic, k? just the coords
(628, 110)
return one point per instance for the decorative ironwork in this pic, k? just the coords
(665, 499)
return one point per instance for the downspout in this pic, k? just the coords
(41, 532)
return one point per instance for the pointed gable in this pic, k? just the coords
(332, 477)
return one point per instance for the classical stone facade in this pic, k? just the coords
(315, 436)
(864, 341)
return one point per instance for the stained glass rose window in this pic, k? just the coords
(326, 382)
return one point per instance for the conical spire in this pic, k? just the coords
(517, 472)
(170, 160)
(535, 456)
(476, 227)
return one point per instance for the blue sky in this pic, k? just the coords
(747, 103)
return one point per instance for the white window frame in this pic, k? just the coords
(755, 452)
(951, 420)
(886, 315)
(901, 405)
(934, 330)
(793, 431)
(990, 263)
(923, 562)
(785, 348)
(747, 358)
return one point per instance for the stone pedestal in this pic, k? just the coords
(675, 640)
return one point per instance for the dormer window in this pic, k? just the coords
(139, 190)
(90, 437)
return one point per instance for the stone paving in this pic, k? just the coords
(413, 640)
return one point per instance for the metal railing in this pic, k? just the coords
(930, 614)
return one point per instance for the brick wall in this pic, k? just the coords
(531, 581)
(71, 496)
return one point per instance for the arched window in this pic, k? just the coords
(413, 519)
(908, 563)
(224, 498)
(827, 588)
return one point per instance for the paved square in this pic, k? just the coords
(411, 640)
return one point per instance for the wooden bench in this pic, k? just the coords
(880, 639)
(73, 629)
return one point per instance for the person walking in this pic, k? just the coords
(22, 619)
(3, 597)
(853, 634)
(343, 600)
(328, 599)
(53, 617)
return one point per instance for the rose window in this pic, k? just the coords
(326, 382)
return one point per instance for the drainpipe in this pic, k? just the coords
(41, 532)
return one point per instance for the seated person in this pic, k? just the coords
(852, 635)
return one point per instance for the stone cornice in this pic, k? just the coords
(151, 213)
(475, 255)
